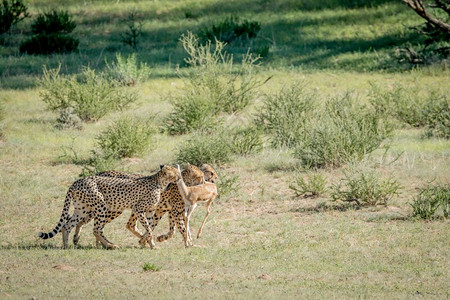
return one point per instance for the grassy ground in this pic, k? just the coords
(261, 242)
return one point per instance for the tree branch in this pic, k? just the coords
(419, 8)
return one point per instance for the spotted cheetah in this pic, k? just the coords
(176, 208)
(171, 201)
(104, 198)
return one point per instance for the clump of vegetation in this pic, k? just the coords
(2, 118)
(127, 70)
(68, 119)
(314, 185)
(246, 140)
(132, 35)
(51, 34)
(284, 114)
(414, 107)
(98, 162)
(11, 12)
(91, 98)
(191, 111)
(214, 84)
(438, 117)
(432, 201)
(343, 131)
(365, 187)
(228, 185)
(203, 148)
(150, 267)
(232, 30)
(127, 137)
(436, 45)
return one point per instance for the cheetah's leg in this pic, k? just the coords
(132, 225)
(168, 235)
(147, 237)
(208, 210)
(179, 220)
(85, 220)
(73, 220)
(100, 221)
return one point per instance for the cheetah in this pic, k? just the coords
(104, 198)
(171, 201)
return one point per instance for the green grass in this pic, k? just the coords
(260, 241)
(306, 36)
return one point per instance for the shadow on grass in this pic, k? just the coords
(326, 206)
(38, 246)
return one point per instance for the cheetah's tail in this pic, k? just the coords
(62, 220)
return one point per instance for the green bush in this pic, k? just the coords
(11, 12)
(231, 30)
(53, 22)
(365, 187)
(246, 140)
(201, 148)
(127, 70)
(191, 111)
(49, 43)
(91, 98)
(98, 162)
(150, 267)
(314, 185)
(131, 36)
(127, 137)
(213, 72)
(228, 185)
(68, 119)
(431, 201)
(344, 131)
(283, 115)
(438, 117)
(2, 118)
(51, 34)
(414, 107)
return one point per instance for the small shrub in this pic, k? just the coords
(438, 117)
(431, 201)
(283, 115)
(203, 148)
(127, 71)
(132, 35)
(229, 86)
(91, 98)
(127, 137)
(228, 185)
(191, 112)
(246, 141)
(11, 12)
(51, 31)
(365, 187)
(68, 119)
(230, 30)
(344, 131)
(2, 118)
(98, 162)
(150, 267)
(49, 43)
(53, 22)
(314, 186)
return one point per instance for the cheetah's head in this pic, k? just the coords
(192, 175)
(209, 173)
(169, 174)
